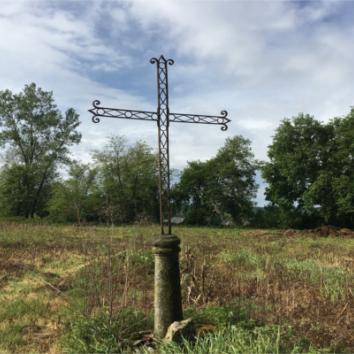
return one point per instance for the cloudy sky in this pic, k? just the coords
(260, 60)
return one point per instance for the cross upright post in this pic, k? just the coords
(163, 132)
(167, 288)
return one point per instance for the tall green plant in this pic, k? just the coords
(310, 171)
(128, 181)
(220, 190)
(76, 198)
(36, 138)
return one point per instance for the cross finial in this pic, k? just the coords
(161, 60)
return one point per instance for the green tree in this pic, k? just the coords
(342, 168)
(221, 189)
(311, 170)
(190, 194)
(35, 137)
(128, 181)
(296, 156)
(76, 198)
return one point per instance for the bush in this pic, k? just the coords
(104, 334)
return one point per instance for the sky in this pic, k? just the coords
(262, 61)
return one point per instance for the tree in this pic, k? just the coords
(190, 194)
(36, 138)
(311, 170)
(342, 169)
(77, 198)
(220, 190)
(128, 181)
(295, 158)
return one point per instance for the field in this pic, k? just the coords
(90, 289)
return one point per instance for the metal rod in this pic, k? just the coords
(163, 140)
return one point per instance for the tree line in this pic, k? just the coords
(309, 174)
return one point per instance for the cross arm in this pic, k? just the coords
(106, 112)
(201, 119)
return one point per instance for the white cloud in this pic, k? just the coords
(260, 60)
(55, 49)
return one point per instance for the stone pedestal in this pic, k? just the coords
(167, 301)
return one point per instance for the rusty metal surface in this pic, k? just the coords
(163, 117)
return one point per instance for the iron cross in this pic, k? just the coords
(163, 117)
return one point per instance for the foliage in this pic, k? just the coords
(311, 171)
(36, 138)
(76, 198)
(220, 190)
(128, 181)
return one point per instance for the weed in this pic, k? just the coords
(11, 337)
(103, 334)
(19, 308)
(244, 258)
(331, 280)
(231, 339)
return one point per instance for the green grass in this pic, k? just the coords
(331, 280)
(72, 288)
(233, 340)
(12, 337)
(20, 308)
(18, 317)
(103, 333)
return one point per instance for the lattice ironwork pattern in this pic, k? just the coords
(201, 119)
(163, 131)
(163, 117)
(106, 112)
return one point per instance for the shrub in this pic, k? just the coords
(104, 334)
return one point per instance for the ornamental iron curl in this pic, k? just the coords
(163, 117)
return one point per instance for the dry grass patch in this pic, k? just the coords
(56, 274)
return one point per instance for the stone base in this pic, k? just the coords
(167, 301)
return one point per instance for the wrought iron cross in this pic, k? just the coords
(163, 117)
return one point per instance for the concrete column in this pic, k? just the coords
(167, 301)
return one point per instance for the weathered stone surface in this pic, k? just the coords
(167, 301)
(179, 329)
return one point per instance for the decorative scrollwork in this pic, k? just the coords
(95, 104)
(161, 59)
(95, 119)
(224, 126)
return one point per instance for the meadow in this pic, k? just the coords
(71, 289)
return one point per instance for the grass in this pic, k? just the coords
(233, 340)
(103, 333)
(71, 289)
